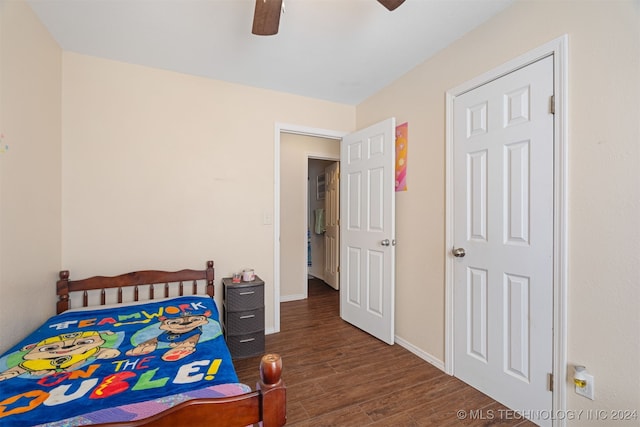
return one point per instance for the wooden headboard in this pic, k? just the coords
(135, 280)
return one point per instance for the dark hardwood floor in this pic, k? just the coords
(337, 375)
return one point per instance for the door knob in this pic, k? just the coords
(385, 242)
(458, 252)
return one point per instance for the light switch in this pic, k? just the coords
(266, 219)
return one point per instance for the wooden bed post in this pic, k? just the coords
(210, 277)
(62, 290)
(273, 391)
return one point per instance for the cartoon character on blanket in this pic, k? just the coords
(181, 333)
(150, 351)
(66, 352)
(61, 353)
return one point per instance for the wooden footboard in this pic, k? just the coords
(266, 405)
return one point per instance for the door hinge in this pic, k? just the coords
(550, 382)
(552, 104)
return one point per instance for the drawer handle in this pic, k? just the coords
(248, 293)
(248, 316)
(248, 340)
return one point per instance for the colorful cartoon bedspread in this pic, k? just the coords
(141, 410)
(85, 361)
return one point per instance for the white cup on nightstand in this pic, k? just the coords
(248, 275)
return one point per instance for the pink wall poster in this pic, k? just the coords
(402, 139)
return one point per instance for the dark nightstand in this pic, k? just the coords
(243, 317)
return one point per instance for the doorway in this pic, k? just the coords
(323, 215)
(302, 159)
(367, 201)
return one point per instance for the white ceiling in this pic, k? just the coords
(337, 50)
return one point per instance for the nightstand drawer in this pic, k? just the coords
(243, 298)
(244, 322)
(246, 345)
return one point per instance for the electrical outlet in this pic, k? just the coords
(588, 390)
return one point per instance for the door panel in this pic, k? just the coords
(332, 226)
(367, 203)
(503, 218)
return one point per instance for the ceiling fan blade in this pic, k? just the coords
(266, 18)
(391, 4)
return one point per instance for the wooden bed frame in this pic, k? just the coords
(265, 405)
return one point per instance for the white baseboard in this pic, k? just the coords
(420, 353)
(295, 297)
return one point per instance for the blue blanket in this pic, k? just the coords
(83, 361)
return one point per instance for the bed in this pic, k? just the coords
(144, 348)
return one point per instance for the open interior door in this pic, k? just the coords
(332, 225)
(367, 229)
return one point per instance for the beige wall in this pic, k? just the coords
(30, 71)
(168, 170)
(295, 151)
(604, 188)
